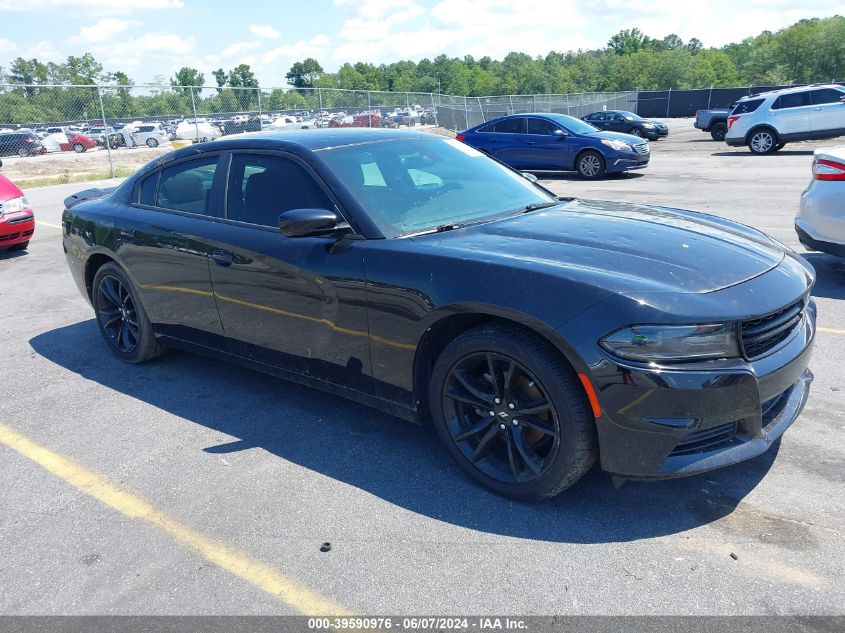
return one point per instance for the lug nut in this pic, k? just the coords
(502, 426)
(492, 414)
(511, 406)
(497, 401)
(516, 422)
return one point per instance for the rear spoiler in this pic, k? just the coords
(87, 194)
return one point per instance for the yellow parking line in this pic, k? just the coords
(264, 577)
(831, 330)
(52, 226)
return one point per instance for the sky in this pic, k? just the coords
(150, 39)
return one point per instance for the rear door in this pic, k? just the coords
(828, 114)
(294, 303)
(162, 241)
(508, 141)
(791, 114)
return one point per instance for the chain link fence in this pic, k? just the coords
(100, 131)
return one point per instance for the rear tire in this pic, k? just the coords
(719, 131)
(79, 148)
(541, 437)
(23, 152)
(121, 317)
(590, 165)
(762, 141)
(151, 142)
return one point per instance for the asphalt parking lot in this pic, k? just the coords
(187, 486)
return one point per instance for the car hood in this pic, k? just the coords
(8, 189)
(618, 136)
(621, 247)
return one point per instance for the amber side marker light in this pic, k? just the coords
(591, 395)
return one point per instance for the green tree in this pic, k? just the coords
(304, 74)
(187, 76)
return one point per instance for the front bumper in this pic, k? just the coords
(627, 161)
(658, 423)
(16, 228)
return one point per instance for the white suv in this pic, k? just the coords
(768, 121)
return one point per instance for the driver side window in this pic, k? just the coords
(262, 186)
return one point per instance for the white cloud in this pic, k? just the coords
(103, 31)
(7, 47)
(264, 31)
(91, 6)
(44, 52)
(315, 47)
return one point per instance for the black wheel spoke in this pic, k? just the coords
(492, 376)
(530, 461)
(539, 425)
(533, 408)
(511, 457)
(466, 398)
(111, 293)
(474, 430)
(462, 377)
(507, 386)
(112, 321)
(484, 445)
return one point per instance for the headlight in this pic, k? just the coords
(649, 343)
(14, 205)
(619, 146)
(648, 125)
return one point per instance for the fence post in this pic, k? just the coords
(105, 130)
(369, 111)
(196, 124)
(260, 120)
(710, 97)
(466, 113)
(320, 98)
(481, 107)
(668, 102)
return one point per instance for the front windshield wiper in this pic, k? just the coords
(534, 206)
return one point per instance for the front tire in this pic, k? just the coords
(719, 131)
(590, 165)
(79, 148)
(151, 142)
(762, 141)
(121, 317)
(512, 413)
(23, 152)
(637, 131)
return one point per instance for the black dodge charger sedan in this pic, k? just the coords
(416, 275)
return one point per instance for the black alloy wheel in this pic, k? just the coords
(637, 131)
(511, 412)
(121, 317)
(500, 417)
(117, 315)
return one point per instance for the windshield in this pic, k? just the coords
(631, 116)
(577, 126)
(414, 185)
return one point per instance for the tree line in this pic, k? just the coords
(808, 51)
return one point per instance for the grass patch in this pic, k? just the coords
(67, 177)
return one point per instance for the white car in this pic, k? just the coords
(200, 131)
(149, 134)
(768, 121)
(820, 222)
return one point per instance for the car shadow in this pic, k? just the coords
(10, 254)
(830, 275)
(783, 152)
(563, 175)
(397, 461)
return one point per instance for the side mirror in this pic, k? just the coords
(560, 134)
(529, 176)
(303, 222)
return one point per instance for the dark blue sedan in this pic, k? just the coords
(557, 142)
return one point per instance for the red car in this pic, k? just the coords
(365, 119)
(17, 222)
(78, 143)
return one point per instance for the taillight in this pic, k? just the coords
(732, 120)
(459, 137)
(828, 170)
(26, 139)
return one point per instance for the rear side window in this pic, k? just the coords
(187, 186)
(826, 95)
(746, 107)
(486, 128)
(147, 194)
(794, 100)
(146, 128)
(511, 126)
(541, 126)
(262, 187)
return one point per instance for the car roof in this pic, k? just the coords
(317, 139)
(786, 91)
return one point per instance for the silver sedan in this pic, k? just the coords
(820, 222)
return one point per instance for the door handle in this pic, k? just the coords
(817, 109)
(530, 142)
(126, 235)
(222, 258)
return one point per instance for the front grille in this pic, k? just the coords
(641, 148)
(762, 335)
(26, 218)
(10, 237)
(706, 440)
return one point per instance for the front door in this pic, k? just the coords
(791, 114)
(295, 303)
(828, 114)
(546, 147)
